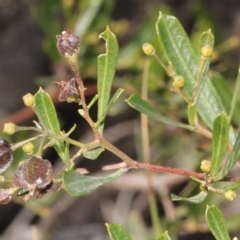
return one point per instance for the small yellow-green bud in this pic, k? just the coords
(205, 166)
(29, 100)
(230, 195)
(178, 81)
(28, 148)
(9, 128)
(148, 49)
(206, 51)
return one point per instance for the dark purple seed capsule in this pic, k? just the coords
(6, 156)
(33, 173)
(67, 42)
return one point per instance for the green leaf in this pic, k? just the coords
(200, 197)
(114, 98)
(219, 142)
(216, 223)
(142, 106)
(93, 153)
(77, 184)
(117, 232)
(235, 95)
(106, 70)
(180, 54)
(47, 116)
(164, 236)
(231, 161)
(232, 186)
(191, 113)
(206, 39)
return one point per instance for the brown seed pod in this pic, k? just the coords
(6, 156)
(34, 173)
(67, 43)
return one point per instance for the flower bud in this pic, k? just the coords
(205, 166)
(230, 195)
(29, 100)
(67, 43)
(148, 49)
(206, 51)
(6, 156)
(28, 147)
(9, 128)
(178, 81)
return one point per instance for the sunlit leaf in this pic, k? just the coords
(106, 70)
(144, 107)
(47, 116)
(180, 53)
(219, 142)
(216, 223)
(164, 236)
(117, 232)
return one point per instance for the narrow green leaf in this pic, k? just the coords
(216, 223)
(117, 232)
(219, 142)
(180, 54)
(114, 98)
(200, 197)
(191, 113)
(231, 161)
(206, 40)
(93, 153)
(106, 70)
(235, 95)
(47, 116)
(142, 106)
(77, 184)
(164, 236)
(232, 186)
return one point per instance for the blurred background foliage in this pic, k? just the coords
(133, 23)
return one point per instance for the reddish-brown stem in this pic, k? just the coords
(156, 168)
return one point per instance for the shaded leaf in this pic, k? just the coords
(144, 107)
(216, 223)
(219, 142)
(93, 153)
(200, 197)
(117, 232)
(236, 94)
(77, 184)
(231, 161)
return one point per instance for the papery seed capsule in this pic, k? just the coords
(6, 156)
(33, 173)
(67, 43)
